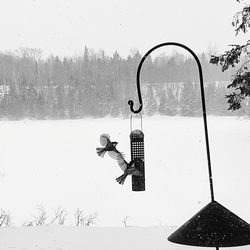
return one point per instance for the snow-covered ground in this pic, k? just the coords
(91, 238)
(79, 238)
(54, 163)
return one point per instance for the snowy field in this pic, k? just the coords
(54, 163)
(65, 238)
(91, 238)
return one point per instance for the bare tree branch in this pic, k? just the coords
(78, 217)
(124, 220)
(5, 218)
(41, 217)
(82, 220)
(90, 219)
(60, 216)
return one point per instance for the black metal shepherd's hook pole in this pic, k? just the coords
(131, 103)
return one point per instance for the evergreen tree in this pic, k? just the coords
(246, 107)
(60, 102)
(163, 103)
(71, 103)
(168, 103)
(150, 103)
(40, 106)
(221, 103)
(239, 56)
(15, 108)
(95, 85)
(188, 100)
(211, 98)
(86, 56)
(196, 103)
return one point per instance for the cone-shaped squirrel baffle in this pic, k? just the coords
(213, 226)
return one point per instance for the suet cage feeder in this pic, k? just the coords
(137, 153)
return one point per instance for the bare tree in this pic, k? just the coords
(79, 217)
(124, 220)
(38, 220)
(5, 218)
(60, 216)
(159, 221)
(90, 219)
(24, 52)
(28, 224)
(41, 217)
(82, 220)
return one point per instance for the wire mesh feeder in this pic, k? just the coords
(137, 154)
(214, 225)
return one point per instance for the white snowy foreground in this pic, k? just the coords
(79, 238)
(54, 163)
(91, 238)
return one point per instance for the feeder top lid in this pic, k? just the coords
(136, 134)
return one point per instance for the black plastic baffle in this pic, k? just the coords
(213, 226)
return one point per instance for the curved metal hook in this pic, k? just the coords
(131, 103)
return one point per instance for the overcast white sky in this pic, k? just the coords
(64, 27)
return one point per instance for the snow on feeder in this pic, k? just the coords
(214, 225)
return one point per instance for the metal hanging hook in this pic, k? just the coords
(131, 103)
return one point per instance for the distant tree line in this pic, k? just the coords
(97, 85)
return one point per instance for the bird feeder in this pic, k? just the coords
(214, 225)
(137, 154)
